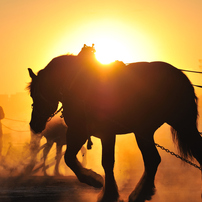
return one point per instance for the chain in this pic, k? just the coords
(177, 156)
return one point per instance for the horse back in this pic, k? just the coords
(139, 93)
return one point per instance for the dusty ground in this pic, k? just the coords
(49, 189)
(69, 189)
(175, 181)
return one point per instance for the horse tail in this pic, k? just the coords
(184, 128)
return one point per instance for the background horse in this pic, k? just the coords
(116, 99)
(55, 132)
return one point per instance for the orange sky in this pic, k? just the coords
(33, 32)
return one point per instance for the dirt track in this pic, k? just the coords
(175, 180)
(69, 189)
(45, 189)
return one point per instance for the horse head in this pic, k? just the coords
(87, 51)
(44, 105)
(87, 55)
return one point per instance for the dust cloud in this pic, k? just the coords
(175, 180)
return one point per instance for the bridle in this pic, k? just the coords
(56, 112)
(89, 143)
(50, 108)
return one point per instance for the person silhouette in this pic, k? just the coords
(2, 115)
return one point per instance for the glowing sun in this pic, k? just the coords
(108, 49)
(112, 41)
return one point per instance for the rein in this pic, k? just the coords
(72, 83)
(56, 112)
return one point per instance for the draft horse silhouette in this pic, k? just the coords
(103, 101)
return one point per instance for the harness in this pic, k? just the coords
(89, 141)
(85, 52)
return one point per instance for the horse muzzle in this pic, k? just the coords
(37, 127)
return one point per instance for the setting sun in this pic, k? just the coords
(110, 48)
(113, 40)
(107, 51)
(117, 42)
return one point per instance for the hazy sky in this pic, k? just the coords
(35, 31)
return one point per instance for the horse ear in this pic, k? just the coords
(31, 73)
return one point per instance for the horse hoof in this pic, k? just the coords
(112, 196)
(109, 199)
(57, 174)
(91, 178)
(141, 195)
(97, 181)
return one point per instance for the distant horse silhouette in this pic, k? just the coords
(55, 132)
(105, 100)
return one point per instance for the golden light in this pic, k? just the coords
(107, 50)
(111, 46)
(113, 41)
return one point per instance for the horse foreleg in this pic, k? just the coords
(58, 158)
(145, 187)
(109, 192)
(74, 144)
(46, 150)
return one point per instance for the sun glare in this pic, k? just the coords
(108, 50)
(113, 41)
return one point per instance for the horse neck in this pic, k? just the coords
(61, 78)
(66, 72)
(49, 86)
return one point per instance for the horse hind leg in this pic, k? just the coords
(145, 188)
(109, 192)
(58, 158)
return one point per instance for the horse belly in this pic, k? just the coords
(135, 108)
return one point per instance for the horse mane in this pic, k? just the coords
(29, 86)
(86, 57)
(32, 83)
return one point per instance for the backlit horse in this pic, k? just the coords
(105, 100)
(55, 132)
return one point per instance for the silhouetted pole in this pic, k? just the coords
(1, 132)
